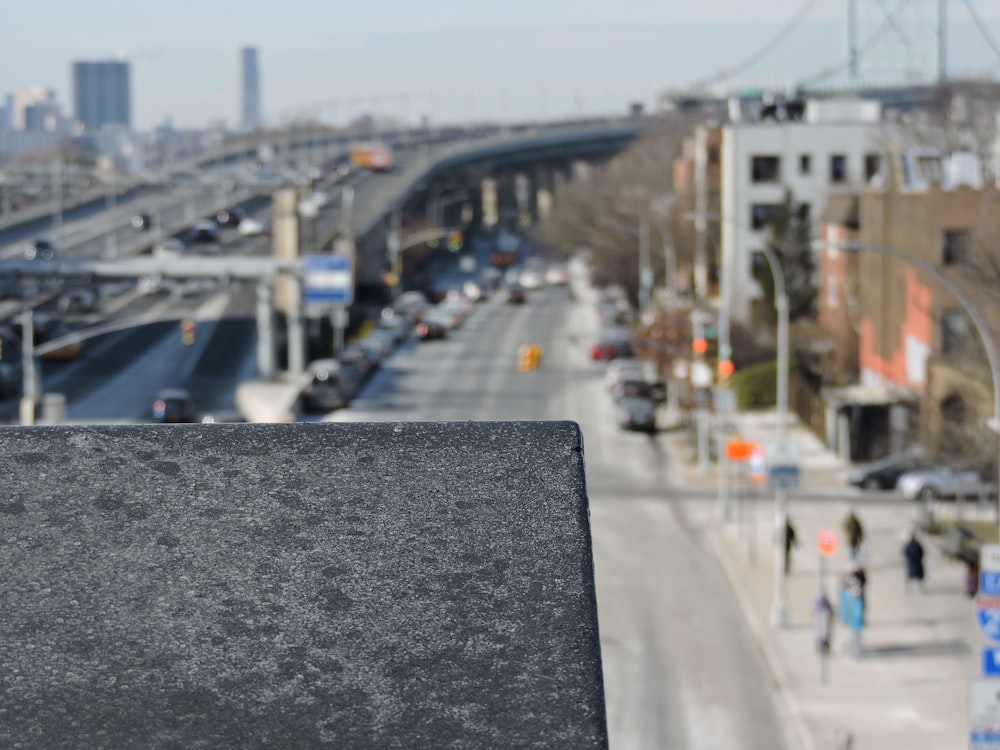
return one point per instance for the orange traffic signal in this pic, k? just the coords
(700, 346)
(187, 331)
(726, 368)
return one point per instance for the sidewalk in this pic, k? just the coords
(909, 687)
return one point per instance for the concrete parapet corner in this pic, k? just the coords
(301, 585)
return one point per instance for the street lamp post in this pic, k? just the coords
(992, 358)
(779, 609)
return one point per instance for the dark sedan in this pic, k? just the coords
(884, 473)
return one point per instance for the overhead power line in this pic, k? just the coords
(764, 50)
(982, 27)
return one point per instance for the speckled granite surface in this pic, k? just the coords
(412, 585)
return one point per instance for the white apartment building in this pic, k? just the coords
(834, 147)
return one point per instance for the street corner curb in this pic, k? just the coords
(715, 532)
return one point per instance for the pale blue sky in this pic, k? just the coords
(518, 59)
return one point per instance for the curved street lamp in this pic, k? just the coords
(970, 309)
(779, 609)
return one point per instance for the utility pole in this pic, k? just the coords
(645, 273)
(700, 213)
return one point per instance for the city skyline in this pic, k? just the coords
(521, 61)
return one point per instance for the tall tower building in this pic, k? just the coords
(250, 88)
(101, 94)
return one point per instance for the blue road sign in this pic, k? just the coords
(989, 582)
(988, 615)
(991, 662)
(785, 476)
(329, 279)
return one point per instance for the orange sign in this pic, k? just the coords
(739, 450)
(828, 542)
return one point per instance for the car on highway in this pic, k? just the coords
(203, 233)
(515, 294)
(142, 221)
(172, 248)
(78, 301)
(174, 406)
(637, 413)
(43, 248)
(251, 227)
(943, 481)
(557, 274)
(229, 217)
(48, 331)
(883, 473)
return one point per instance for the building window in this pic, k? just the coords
(762, 214)
(838, 168)
(873, 163)
(765, 168)
(805, 164)
(955, 246)
(954, 332)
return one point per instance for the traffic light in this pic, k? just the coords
(700, 346)
(455, 240)
(187, 331)
(726, 369)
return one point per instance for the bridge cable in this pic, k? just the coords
(982, 27)
(763, 51)
(887, 25)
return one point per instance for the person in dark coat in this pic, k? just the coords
(790, 541)
(855, 534)
(913, 554)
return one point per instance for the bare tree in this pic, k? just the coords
(602, 213)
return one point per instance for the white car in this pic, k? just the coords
(250, 227)
(943, 482)
(172, 248)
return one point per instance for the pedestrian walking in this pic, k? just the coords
(913, 555)
(855, 533)
(790, 540)
(972, 575)
(853, 606)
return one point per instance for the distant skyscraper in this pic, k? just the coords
(101, 94)
(251, 88)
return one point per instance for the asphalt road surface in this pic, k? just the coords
(681, 668)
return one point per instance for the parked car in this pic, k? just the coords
(431, 327)
(174, 405)
(325, 391)
(885, 472)
(611, 343)
(623, 368)
(943, 482)
(637, 413)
